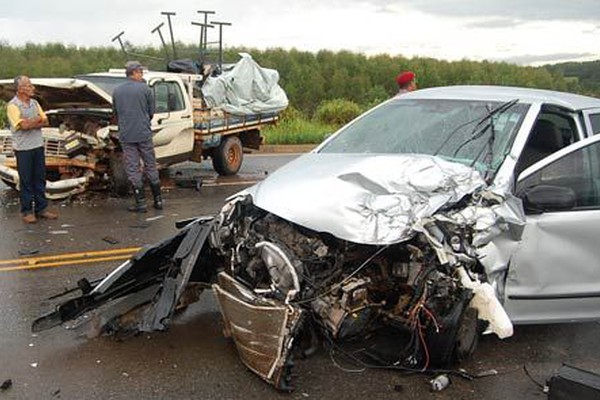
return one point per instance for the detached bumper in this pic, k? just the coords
(54, 190)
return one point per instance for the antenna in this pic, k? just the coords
(168, 14)
(220, 24)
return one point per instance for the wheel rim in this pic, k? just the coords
(233, 156)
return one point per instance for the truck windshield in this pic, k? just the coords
(106, 83)
(451, 129)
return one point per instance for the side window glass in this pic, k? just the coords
(595, 122)
(168, 97)
(579, 171)
(161, 95)
(550, 133)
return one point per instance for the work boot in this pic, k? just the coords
(158, 202)
(29, 219)
(49, 214)
(140, 201)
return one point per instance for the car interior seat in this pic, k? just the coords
(544, 140)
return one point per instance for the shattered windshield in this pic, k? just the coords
(106, 83)
(456, 130)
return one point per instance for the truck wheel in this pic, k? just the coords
(227, 158)
(120, 183)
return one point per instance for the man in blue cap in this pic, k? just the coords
(133, 106)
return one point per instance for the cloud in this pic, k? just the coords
(494, 23)
(528, 10)
(538, 59)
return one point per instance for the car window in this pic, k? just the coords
(579, 170)
(550, 133)
(168, 97)
(457, 130)
(595, 122)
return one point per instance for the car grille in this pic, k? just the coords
(53, 147)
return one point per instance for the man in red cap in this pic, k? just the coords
(406, 82)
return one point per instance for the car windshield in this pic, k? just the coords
(456, 130)
(106, 83)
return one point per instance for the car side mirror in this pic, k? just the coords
(542, 198)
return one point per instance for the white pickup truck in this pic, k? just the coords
(198, 116)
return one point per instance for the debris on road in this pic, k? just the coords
(440, 383)
(110, 240)
(7, 384)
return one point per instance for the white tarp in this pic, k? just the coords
(245, 89)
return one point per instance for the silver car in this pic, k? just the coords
(434, 217)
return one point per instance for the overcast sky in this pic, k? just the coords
(518, 31)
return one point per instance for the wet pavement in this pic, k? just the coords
(193, 360)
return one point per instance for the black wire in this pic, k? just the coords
(532, 379)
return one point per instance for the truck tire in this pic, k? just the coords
(227, 157)
(120, 183)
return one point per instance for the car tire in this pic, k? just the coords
(227, 157)
(120, 183)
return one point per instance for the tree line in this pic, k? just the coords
(309, 78)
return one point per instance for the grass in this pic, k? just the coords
(297, 131)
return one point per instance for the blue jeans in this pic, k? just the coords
(31, 166)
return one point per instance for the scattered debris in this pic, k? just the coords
(439, 383)
(154, 218)
(110, 240)
(34, 365)
(59, 232)
(140, 226)
(28, 252)
(7, 384)
(56, 393)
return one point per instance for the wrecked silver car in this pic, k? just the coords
(434, 217)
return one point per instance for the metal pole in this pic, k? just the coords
(168, 14)
(220, 24)
(118, 37)
(204, 32)
(157, 29)
(202, 50)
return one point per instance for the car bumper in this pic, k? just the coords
(54, 190)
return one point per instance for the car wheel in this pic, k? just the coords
(120, 183)
(227, 157)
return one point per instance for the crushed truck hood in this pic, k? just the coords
(368, 199)
(62, 93)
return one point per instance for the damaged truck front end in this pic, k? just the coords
(77, 144)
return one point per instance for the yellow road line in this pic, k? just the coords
(67, 259)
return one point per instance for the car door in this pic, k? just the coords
(554, 276)
(172, 129)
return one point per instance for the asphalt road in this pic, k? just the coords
(193, 360)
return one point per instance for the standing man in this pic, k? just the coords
(406, 82)
(133, 106)
(26, 119)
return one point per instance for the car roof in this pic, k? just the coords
(506, 93)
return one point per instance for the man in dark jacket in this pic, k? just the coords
(133, 106)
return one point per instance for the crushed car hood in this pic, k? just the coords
(364, 198)
(62, 93)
